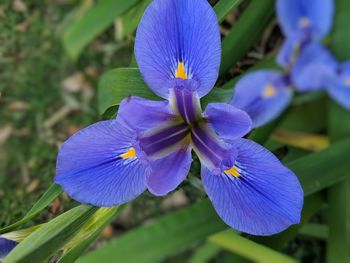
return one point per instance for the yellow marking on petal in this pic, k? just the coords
(347, 81)
(269, 91)
(181, 71)
(233, 171)
(131, 153)
(304, 22)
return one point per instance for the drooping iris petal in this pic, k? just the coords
(227, 121)
(313, 18)
(100, 165)
(168, 172)
(263, 95)
(339, 86)
(258, 195)
(141, 114)
(178, 39)
(313, 69)
(6, 246)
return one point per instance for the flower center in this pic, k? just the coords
(304, 22)
(189, 130)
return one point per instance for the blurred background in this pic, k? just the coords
(48, 92)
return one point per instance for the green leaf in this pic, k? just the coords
(339, 127)
(314, 230)
(44, 242)
(166, 236)
(20, 235)
(117, 84)
(48, 197)
(244, 247)
(245, 33)
(224, 7)
(89, 233)
(205, 253)
(97, 19)
(130, 20)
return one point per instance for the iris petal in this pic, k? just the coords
(168, 172)
(178, 39)
(288, 51)
(339, 87)
(227, 121)
(297, 15)
(6, 246)
(259, 196)
(100, 166)
(263, 95)
(141, 114)
(314, 68)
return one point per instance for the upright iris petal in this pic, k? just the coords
(302, 22)
(263, 95)
(305, 18)
(178, 39)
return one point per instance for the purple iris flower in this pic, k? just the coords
(6, 246)
(326, 74)
(263, 94)
(302, 22)
(149, 145)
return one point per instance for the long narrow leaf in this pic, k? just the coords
(246, 32)
(248, 248)
(95, 21)
(44, 242)
(47, 198)
(224, 7)
(339, 126)
(166, 236)
(89, 233)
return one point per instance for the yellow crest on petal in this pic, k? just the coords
(131, 153)
(347, 81)
(181, 71)
(233, 171)
(304, 22)
(269, 91)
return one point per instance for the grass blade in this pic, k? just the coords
(89, 233)
(244, 247)
(339, 127)
(205, 253)
(47, 198)
(78, 34)
(166, 236)
(224, 7)
(246, 32)
(44, 242)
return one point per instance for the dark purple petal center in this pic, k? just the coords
(191, 129)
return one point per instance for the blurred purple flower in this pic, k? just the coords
(263, 94)
(302, 22)
(6, 246)
(317, 69)
(149, 145)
